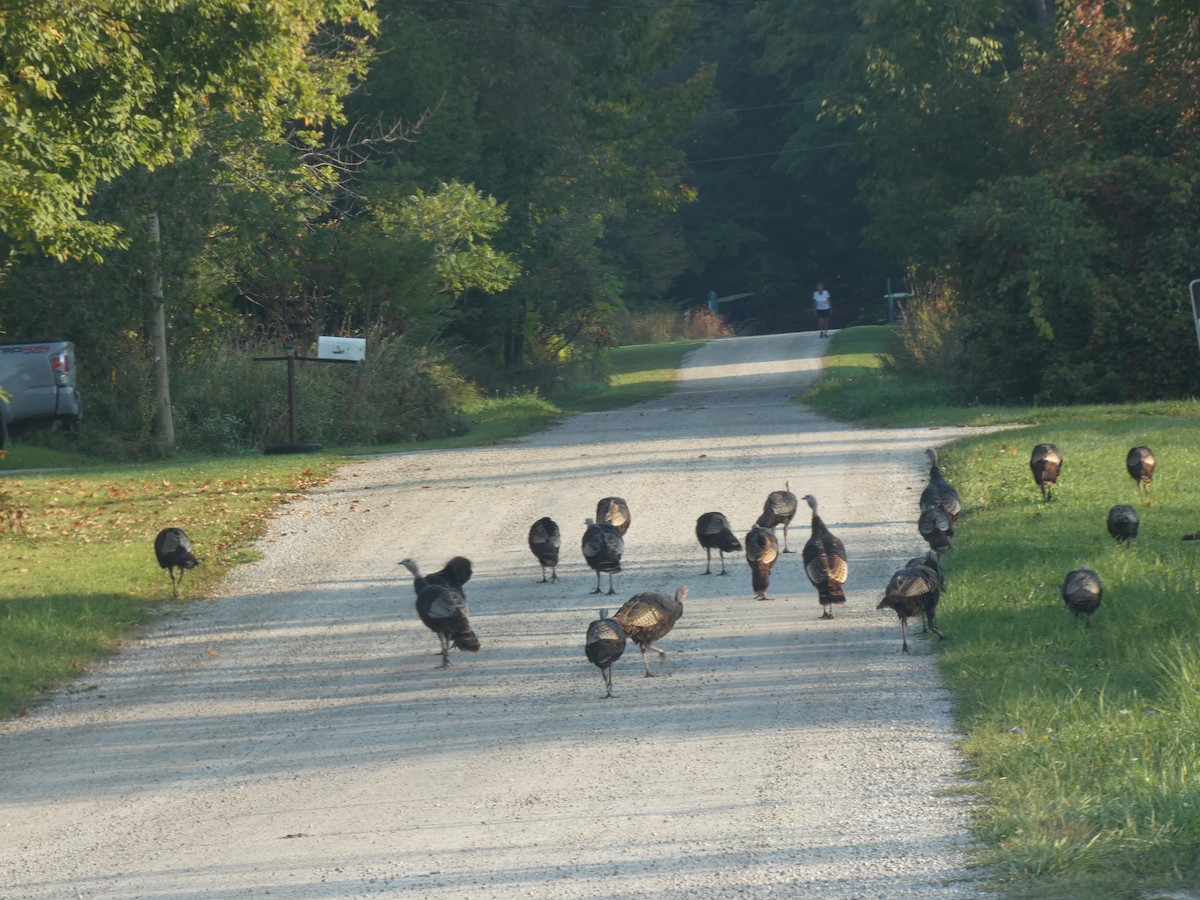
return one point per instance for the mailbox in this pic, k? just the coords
(341, 349)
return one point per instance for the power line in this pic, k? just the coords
(696, 162)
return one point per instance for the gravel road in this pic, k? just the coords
(293, 737)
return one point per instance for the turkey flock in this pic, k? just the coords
(914, 591)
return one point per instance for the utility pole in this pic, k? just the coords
(164, 421)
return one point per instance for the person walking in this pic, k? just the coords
(821, 306)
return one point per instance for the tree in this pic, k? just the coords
(549, 108)
(91, 90)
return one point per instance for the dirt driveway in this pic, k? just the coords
(294, 738)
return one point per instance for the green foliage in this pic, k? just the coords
(930, 322)
(457, 222)
(90, 91)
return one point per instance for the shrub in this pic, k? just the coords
(930, 322)
(667, 325)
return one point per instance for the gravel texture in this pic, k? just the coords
(294, 738)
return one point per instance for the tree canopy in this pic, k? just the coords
(487, 189)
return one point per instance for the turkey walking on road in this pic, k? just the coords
(762, 551)
(939, 491)
(602, 548)
(714, 533)
(603, 646)
(779, 509)
(615, 512)
(173, 550)
(914, 590)
(936, 527)
(825, 562)
(545, 539)
(443, 608)
(455, 573)
(1140, 464)
(1123, 523)
(1046, 465)
(647, 617)
(1082, 592)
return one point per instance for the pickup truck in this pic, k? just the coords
(38, 378)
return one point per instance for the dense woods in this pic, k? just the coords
(485, 191)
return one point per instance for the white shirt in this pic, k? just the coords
(821, 299)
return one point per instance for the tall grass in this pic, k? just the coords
(1084, 743)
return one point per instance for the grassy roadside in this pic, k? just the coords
(77, 573)
(1084, 743)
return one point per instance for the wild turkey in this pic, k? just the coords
(604, 645)
(443, 608)
(937, 528)
(1194, 536)
(762, 551)
(1082, 592)
(714, 533)
(939, 491)
(545, 539)
(914, 590)
(932, 562)
(648, 616)
(602, 548)
(1140, 464)
(1123, 523)
(455, 573)
(825, 562)
(173, 550)
(779, 509)
(1046, 465)
(614, 511)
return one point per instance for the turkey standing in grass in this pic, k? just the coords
(615, 512)
(914, 590)
(1082, 592)
(174, 551)
(647, 617)
(1123, 523)
(779, 509)
(714, 533)
(602, 548)
(545, 539)
(1046, 465)
(935, 526)
(762, 551)
(939, 491)
(825, 562)
(442, 607)
(1140, 464)
(604, 645)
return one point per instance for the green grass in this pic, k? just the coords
(77, 568)
(1084, 744)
